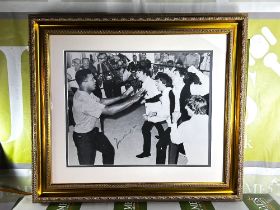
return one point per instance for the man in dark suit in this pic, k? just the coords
(144, 63)
(133, 64)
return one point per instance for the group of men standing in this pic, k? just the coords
(110, 71)
(168, 98)
(167, 94)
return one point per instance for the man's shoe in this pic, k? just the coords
(143, 155)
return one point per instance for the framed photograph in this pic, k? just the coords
(138, 107)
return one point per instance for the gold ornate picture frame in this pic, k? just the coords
(57, 40)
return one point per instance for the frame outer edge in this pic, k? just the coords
(34, 111)
(244, 67)
(35, 101)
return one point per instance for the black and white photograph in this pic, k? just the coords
(138, 108)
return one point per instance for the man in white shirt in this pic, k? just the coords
(192, 85)
(71, 72)
(169, 68)
(152, 104)
(203, 87)
(72, 86)
(199, 84)
(181, 90)
(164, 85)
(87, 109)
(196, 146)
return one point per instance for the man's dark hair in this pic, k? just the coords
(191, 77)
(101, 54)
(182, 71)
(170, 62)
(198, 104)
(145, 71)
(81, 75)
(164, 78)
(179, 62)
(83, 59)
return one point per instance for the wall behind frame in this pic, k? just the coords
(262, 157)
